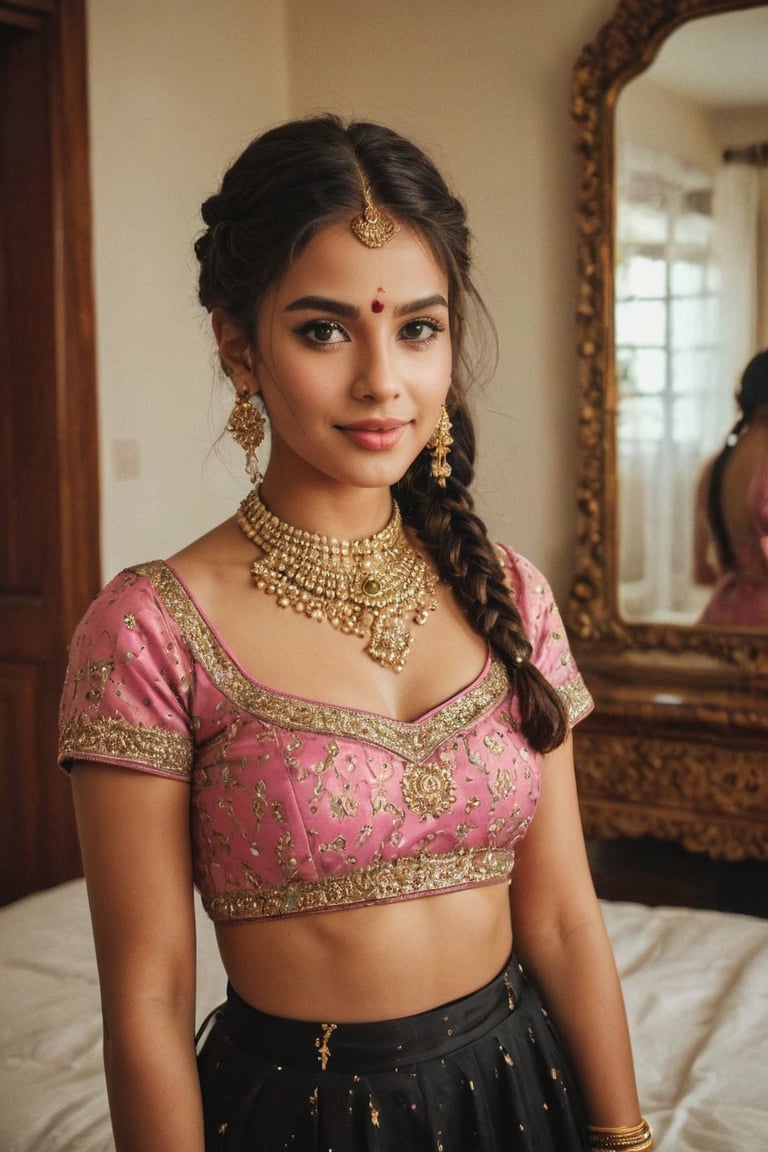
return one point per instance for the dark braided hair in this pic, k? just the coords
(752, 394)
(288, 185)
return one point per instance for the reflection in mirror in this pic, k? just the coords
(691, 303)
(676, 745)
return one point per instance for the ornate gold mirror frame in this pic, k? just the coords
(678, 745)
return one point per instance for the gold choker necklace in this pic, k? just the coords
(363, 587)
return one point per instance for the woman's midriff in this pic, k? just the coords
(372, 963)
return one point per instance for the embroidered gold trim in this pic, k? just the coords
(576, 698)
(413, 741)
(112, 739)
(394, 880)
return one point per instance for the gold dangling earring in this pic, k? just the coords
(246, 424)
(439, 445)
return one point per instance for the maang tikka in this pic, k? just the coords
(372, 227)
(246, 424)
(439, 445)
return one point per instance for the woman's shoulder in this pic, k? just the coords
(145, 589)
(128, 590)
(223, 544)
(543, 624)
(126, 689)
(127, 618)
(527, 582)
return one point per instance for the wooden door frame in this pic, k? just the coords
(74, 391)
(75, 372)
(74, 461)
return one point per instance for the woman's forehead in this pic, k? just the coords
(335, 261)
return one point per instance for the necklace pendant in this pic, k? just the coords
(364, 588)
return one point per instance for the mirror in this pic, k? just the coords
(678, 744)
(690, 309)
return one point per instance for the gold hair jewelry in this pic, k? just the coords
(373, 227)
(246, 424)
(631, 1138)
(439, 445)
(362, 587)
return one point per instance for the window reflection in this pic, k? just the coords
(667, 358)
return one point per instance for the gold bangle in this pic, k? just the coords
(644, 1144)
(629, 1138)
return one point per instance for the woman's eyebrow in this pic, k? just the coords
(350, 312)
(420, 305)
(323, 304)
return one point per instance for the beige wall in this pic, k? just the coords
(483, 86)
(651, 116)
(176, 90)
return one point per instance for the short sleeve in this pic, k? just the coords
(125, 699)
(545, 630)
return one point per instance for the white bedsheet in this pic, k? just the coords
(695, 982)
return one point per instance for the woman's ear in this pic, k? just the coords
(235, 350)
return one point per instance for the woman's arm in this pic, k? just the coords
(134, 836)
(562, 942)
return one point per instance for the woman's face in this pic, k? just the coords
(353, 361)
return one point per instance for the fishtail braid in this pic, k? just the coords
(456, 537)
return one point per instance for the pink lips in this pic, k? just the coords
(375, 435)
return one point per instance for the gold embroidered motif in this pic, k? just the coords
(111, 739)
(323, 1049)
(98, 673)
(576, 698)
(394, 880)
(428, 789)
(412, 741)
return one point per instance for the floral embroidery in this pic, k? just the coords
(428, 789)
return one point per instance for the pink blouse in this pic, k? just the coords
(299, 806)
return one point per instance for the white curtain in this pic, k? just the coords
(658, 474)
(735, 256)
(762, 259)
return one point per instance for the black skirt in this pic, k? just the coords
(482, 1074)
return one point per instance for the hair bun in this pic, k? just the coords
(211, 211)
(754, 384)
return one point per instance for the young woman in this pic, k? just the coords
(344, 716)
(731, 537)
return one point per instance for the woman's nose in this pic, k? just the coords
(376, 377)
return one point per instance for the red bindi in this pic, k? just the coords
(377, 306)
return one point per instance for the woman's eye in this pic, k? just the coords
(419, 331)
(323, 332)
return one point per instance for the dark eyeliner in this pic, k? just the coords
(435, 327)
(304, 331)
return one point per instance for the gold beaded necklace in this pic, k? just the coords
(362, 587)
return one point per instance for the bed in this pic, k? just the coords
(695, 981)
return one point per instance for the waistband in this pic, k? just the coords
(376, 1046)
